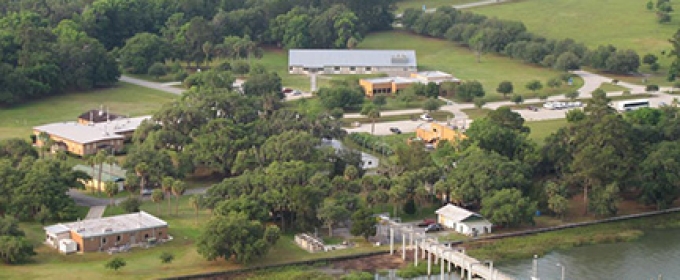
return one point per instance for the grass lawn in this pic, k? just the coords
(394, 104)
(611, 87)
(126, 99)
(476, 113)
(429, 4)
(145, 263)
(438, 54)
(541, 129)
(593, 23)
(398, 139)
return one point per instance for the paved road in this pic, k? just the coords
(153, 85)
(86, 200)
(464, 6)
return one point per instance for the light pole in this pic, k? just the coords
(535, 268)
(563, 270)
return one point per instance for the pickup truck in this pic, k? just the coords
(427, 222)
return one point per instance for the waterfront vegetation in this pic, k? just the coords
(539, 244)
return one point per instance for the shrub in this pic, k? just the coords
(131, 204)
(410, 207)
(652, 88)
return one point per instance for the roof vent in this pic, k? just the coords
(399, 58)
(108, 230)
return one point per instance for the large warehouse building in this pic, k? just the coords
(351, 61)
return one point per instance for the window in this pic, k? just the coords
(336, 68)
(146, 236)
(103, 240)
(160, 233)
(368, 68)
(352, 68)
(118, 238)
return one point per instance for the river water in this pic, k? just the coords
(655, 254)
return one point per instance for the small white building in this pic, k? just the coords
(462, 220)
(67, 246)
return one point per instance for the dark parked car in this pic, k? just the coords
(434, 227)
(395, 130)
(533, 108)
(427, 222)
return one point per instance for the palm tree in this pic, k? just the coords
(166, 185)
(373, 113)
(157, 196)
(111, 189)
(111, 160)
(92, 163)
(397, 195)
(196, 202)
(178, 189)
(99, 159)
(45, 143)
(141, 169)
(421, 196)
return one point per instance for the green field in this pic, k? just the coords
(611, 87)
(438, 54)
(626, 24)
(429, 4)
(541, 129)
(125, 99)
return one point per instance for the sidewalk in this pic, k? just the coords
(95, 212)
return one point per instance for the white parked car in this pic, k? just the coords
(426, 117)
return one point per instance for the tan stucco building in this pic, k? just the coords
(101, 234)
(389, 85)
(86, 139)
(432, 133)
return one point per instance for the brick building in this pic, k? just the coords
(104, 233)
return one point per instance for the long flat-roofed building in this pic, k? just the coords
(87, 139)
(104, 233)
(305, 61)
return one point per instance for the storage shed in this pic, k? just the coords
(463, 221)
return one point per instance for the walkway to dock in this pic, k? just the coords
(451, 259)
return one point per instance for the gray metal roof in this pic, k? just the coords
(358, 58)
(56, 229)
(112, 225)
(84, 134)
